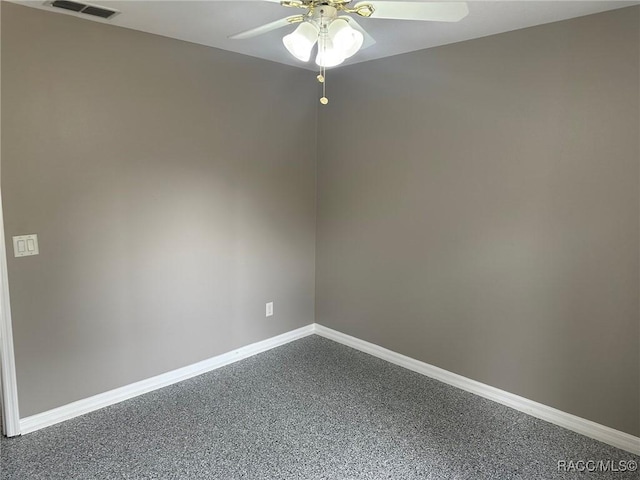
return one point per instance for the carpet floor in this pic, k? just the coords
(311, 409)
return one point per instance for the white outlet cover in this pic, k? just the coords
(25, 245)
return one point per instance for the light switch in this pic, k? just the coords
(25, 245)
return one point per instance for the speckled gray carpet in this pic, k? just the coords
(312, 409)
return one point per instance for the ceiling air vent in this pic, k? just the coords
(84, 8)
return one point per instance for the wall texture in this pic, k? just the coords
(478, 210)
(172, 188)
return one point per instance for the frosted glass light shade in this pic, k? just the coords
(345, 38)
(328, 55)
(301, 41)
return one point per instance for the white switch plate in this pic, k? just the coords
(25, 245)
(269, 309)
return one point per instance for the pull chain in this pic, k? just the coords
(322, 75)
(322, 78)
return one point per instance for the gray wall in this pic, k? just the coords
(172, 187)
(478, 210)
(478, 207)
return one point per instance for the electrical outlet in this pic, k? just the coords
(269, 309)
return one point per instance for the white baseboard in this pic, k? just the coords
(577, 424)
(75, 409)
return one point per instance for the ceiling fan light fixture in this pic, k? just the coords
(344, 37)
(301, 41)
(328, 55)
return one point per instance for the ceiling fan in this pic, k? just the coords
(329, 24)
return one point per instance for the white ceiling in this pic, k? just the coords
(211, 22)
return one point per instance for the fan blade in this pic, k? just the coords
(425, 11)
(254, 32)
(368, 39)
